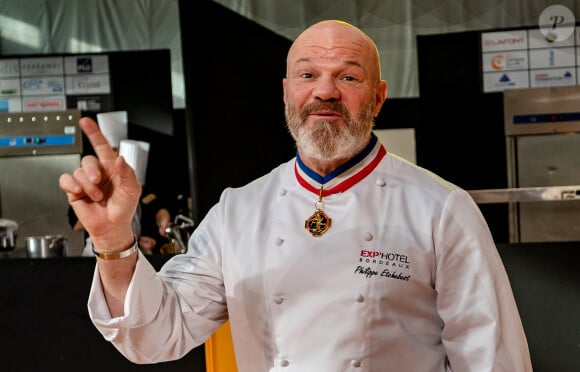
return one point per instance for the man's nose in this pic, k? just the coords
(326, 90)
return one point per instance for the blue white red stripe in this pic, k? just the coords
(345, 176)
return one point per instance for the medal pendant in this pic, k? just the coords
(318, 223)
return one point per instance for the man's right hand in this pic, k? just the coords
(103, 191)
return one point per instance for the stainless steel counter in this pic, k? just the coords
(538, 214)
(526, 194)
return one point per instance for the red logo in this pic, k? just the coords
(371, 254)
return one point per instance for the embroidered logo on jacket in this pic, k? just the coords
(384, 264)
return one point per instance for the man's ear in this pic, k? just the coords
(380, 96)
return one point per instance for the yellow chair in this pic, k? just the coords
(219, 351)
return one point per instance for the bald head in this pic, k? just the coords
(327, 36)
(332, 92)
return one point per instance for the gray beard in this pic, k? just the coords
(325, 142)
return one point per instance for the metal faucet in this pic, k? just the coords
(179, 233)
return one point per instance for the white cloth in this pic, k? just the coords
(88, 249)
(406, 279)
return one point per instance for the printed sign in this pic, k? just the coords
(41, 66)
(10, 104)
(500, 61)
(9, 68)
(88, 84)
(527, 58)
(55, 103)
(553, 77)
(9, 87)
(83, 64)
(42, 85)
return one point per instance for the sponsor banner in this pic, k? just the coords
(42, 85)
(498, 81)
(88, 84)
(500, 61)
(555, 57)
(538, 40)
(9, 87)
(39, 83)
(10, 104)
(9, 68)
(553, 77)
(496, 41)
(48, 103)
(41, 66)
(529, 58)
(75, 65)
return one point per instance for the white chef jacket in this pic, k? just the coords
(407, 278)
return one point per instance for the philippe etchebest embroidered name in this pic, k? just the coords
(397, 265)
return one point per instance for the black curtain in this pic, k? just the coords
(234, 115)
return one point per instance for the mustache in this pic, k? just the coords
(315, 106)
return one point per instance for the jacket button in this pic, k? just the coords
(283, 192)
(368, 236)
(355, 363)
(278, 300)
(380, 183)
(279, 241)
(359, 298)
(284, 363)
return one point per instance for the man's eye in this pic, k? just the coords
(306, 75)
(348, 78)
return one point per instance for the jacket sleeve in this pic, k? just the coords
(167, 313)
(482, 326)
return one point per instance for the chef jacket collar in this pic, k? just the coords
(345, 176)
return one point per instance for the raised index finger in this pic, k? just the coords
(100, 144)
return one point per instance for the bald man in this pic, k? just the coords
(344, 258)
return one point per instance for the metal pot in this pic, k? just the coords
(8, 230)
(46, 246)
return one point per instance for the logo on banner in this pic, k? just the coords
(502, 43)
(505, 81)
(545, 77)
(84, 65)
(507, 61)
(44, 103)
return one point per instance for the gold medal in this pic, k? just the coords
(319, 222)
